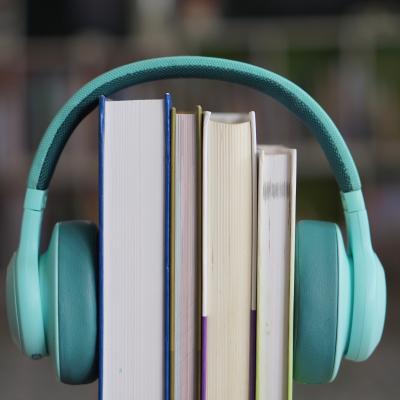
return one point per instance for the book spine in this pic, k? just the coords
(167, 245)
(206, 118)
(252, 369)
(172, 255)
(199, 263)
(102, 104)
(203, 357)
(292, 209)
(253, 312)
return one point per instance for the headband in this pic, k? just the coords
(269, 83)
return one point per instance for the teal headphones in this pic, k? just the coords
(340, 297)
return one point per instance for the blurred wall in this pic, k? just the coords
(347, 55)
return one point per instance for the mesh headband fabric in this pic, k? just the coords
(269, 83)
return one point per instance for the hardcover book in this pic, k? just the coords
(185, 254)
(134, 249)
(229, 226)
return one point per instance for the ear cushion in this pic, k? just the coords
(316, 301)
(77, 302)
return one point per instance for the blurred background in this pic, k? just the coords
(346, 53)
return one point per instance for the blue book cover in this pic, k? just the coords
(168, 104)
(167, 247)
(100, 185)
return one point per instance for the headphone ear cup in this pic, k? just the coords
(316, 301)
(11, 302)
(69, 288)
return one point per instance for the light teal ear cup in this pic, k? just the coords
(12, 309)
(375, 318)
(322, 302)
(22, 338)
(68, 280)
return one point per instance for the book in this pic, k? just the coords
(134, 249)
(229, 257)
(185, 254)
(275, 271)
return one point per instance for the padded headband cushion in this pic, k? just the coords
(284, 91)
(316, 301)
(77, 299)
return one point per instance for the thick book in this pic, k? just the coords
(185, 254)
(275, 271)
(134, 249)
(229, 256)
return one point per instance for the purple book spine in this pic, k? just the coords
(203, 357)
(252, 375)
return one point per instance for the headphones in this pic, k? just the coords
(340, 296)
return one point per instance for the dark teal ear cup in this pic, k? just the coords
(68, 277)
(316, 301)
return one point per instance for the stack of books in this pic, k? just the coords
(196, 255)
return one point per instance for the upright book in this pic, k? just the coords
(185, 254)
(275, 271)
(134, 249)
(229, 257)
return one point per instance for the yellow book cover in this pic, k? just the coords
(172, 255)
